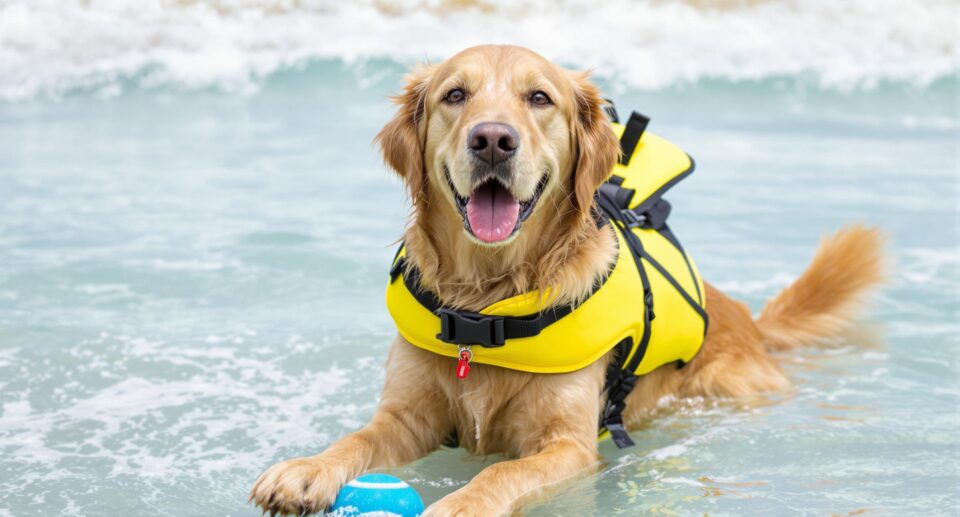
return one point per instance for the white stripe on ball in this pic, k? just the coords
(384, 486)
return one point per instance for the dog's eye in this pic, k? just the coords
(454, 96)
(539, 98)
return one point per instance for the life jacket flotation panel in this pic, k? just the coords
(650, 307)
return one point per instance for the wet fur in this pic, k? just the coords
(547, 423)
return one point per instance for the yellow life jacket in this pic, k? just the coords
(650, 306)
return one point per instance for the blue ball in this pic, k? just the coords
(379, 494)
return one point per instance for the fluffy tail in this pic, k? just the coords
(825, 300)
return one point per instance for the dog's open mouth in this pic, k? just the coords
(491, 213)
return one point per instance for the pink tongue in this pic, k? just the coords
(492, 212)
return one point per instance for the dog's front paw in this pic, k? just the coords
(299, 486)
(464, 504)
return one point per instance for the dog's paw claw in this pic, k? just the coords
(295, 487)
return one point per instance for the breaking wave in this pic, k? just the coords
(50, 47)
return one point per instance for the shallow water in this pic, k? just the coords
(191, 288)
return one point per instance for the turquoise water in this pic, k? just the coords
(191, 289)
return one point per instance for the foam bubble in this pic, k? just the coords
(669, 451)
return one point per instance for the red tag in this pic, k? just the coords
(463, 365)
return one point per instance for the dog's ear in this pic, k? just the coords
(401, 140)
(597, 146)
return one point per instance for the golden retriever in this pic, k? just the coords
(530, 139)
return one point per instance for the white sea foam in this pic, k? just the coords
(53, 46)
(670, 451)
(104, 289)
(752, 287)
(104, 417)
(925, 265)
(187, 265)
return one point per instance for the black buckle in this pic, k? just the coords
(658, 213)
(632, 219)
(470, 328)
(654, 217)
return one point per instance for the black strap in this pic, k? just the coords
(411, 279)
(676, 285)
(611, 110)
(614, 424)
(619, 383)
(396, 266)
(614, 203)
(636, 250)
(632, 132)
(665, 231)
(621, 379)
(619, 195)
(472, 328)
(653, 217)
(460, 327)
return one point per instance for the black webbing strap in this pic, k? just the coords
(619, 195)
(411, 279)
(665, 231)
(618, 384)
(472, 328)
(654, 216)
(676, 285)
(611, 110)
(632, 132)
(396, 265)
(637, 251)
(459, 327)
(621, 383)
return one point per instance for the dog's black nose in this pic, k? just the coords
(493, 142)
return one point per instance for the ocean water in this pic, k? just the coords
(195, 230)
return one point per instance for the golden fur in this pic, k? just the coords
(548, 423)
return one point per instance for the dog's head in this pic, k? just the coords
(502, 135)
